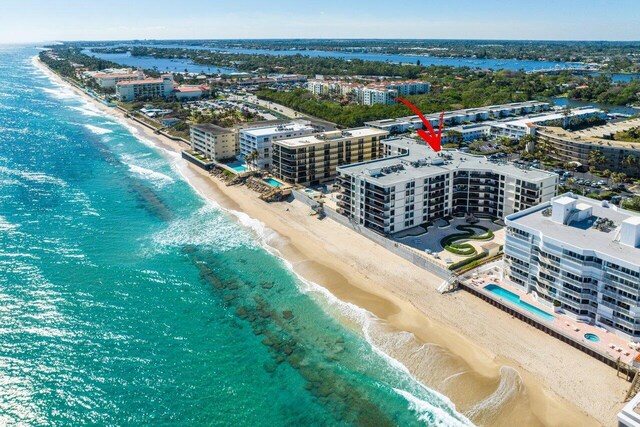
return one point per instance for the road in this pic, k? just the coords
(281, 109)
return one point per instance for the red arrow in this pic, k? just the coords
(432, 138)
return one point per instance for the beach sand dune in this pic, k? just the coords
(498, 370)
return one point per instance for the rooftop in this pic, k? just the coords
(211, 128)
(583, 234)
(279, 128)
(547, 117)
(115, 75)
(600, 135)
(422, 162)
(190, 89)
(461, 113)
(144, 81)
(324, 137)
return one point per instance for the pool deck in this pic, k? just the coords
(562, 324)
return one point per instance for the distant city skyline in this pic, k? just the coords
(30, 21)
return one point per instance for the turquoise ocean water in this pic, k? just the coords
(127, 299)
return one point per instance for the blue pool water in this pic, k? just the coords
(127, 299)
(592, 337)
(272, 182)
(515, 299)
(237, 166)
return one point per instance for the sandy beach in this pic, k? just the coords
(496, 370)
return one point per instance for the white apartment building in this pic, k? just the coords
(413, 185)
(517, 128)
(109, 80)
(409, 87)
(582, 253)
(215, 142)
(378, 95)
(260, 139)
(461, 117)
(629, 415)
(374, 93)
(145, 88)
(472, 132)
(317, 87)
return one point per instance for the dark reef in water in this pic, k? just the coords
(282, 335)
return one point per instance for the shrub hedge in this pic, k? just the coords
(470, 262)
(447, 242)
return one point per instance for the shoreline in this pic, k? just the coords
(404, 297)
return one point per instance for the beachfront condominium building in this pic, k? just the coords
(214, 142)
(145, 89)
(312, 159)
(259, 139)
(413, 185)
(582, 254)
(109, 80)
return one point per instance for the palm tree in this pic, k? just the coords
(596, 158)
(566, 113)
(252, 157)
(629, 161)
(528, 143)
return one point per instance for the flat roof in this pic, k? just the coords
(422, 162)
(597, 135)
(259, 123)
(582, 234)
(140, 82)
(336, 135)
(546, 117)
(460, 113)
(211, 128)
(278, 128)
(114, 75)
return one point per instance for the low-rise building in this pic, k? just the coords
(460, 117)
(516, 129)
(581, 254)
(134, 90)
(214, 142)
(472, 132)
(190, 91)
(575, 146)
(259, 139)
(413, 185)
(312, 159)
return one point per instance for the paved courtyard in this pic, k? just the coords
(428, 242)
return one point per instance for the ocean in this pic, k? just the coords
(128, 299)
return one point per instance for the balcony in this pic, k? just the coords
(376, 221)
(619, 273)
(376, 197)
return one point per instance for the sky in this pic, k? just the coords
(27, 21)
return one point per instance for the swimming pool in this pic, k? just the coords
(237, 166)
(515, 299)
(272, 182)
(592, 337)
